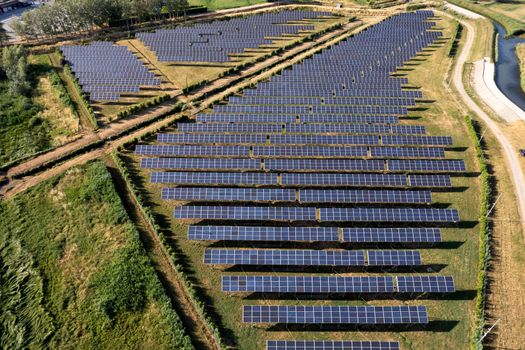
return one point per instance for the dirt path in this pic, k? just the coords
(245, 77)
(201, 336)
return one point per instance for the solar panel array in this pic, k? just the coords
(318, 154)
(213, 42)
(105, 71)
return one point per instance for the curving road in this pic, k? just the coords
(511, 154)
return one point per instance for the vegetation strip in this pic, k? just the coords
(485, 236)
(170, 253)
(457, 38)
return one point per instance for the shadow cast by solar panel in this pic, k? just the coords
(251, 203)
(458, 295)
(316, 245)
(149, 88)
(344, 224)
(454, 189)
(409, 117)
(425, 101)
(456, 149)
(200, 64)
(418, 109)
(466, 174)
(432, 326)
(337, 269)
(119, 103)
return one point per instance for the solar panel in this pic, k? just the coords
(284, 257)
(358, 180)
(430, 165)
(181, 138)
(345, 165)
(416, 140)
(391, 235)
(309, 151)
(211, 178)
(200, 163)
(229, 128)
(215, 194)
(389, 214)
(364, 196)
(407, 152)
(331, 345)
(393, 258)
(203, 151)
(430, 181)
(335, 314)
(308, 284)
(324, 139)
(263, 233)
(245, 213)
(425, 284)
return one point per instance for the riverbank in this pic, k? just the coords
(520, 53)
(512, 25)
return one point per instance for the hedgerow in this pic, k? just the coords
(485, 237)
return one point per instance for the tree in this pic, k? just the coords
(72, 16)
(14, 64)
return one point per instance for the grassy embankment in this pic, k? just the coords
(43, 120)
(512, 19)
(452, 317)
(520, 52)
(74, 273)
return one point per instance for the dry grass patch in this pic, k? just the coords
(64, 123)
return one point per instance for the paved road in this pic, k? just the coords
(511, 154)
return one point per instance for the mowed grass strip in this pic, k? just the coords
(451, 317)
(89, 282)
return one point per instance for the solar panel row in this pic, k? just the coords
(222, 194)
(369, 315)
(326, 234)
(301, 165)
(250, 213)
(298, 179)
(337, 284)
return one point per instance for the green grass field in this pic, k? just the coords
(73, 272)
(451, 317)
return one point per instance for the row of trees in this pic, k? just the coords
(71, 16)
